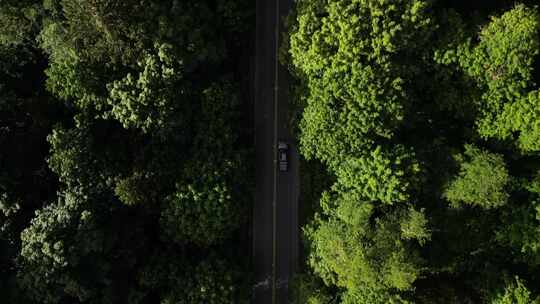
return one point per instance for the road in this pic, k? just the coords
(275, 213)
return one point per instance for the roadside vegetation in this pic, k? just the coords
(125, 151)
(421, 119)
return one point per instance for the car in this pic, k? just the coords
(283, 157)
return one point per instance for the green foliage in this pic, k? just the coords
(502, 64)
(307, 289)
(482, 181)
(18, 22)
(73, 160)
(210, 202)
(153, 101)
(356, 94)
(60, 238)
(521, 231)
(213, 280)
(356, 59)
(515, 293)
(68, 79)
(415, 226)
(87, 185)
(130, 56)
(389, 90)
(211, 283)
(9, 207)
(79, 248)
(217, 126)
(115, 32)
(372, 296)
(383, 176)
(355, 251)
(135, 189)
(25, 117)
(314, 180)
(203, 212)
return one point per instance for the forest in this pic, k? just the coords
(126, 151)
(419, 125)
(127, 166)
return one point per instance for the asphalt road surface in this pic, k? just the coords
(275, 212)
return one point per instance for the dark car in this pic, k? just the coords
(283, 150)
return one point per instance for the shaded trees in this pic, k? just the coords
(146, 154)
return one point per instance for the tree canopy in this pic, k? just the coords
(425, 114)
(125, 151)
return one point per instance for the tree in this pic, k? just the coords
(515, 292)
(482, 180)
(205, 211)
(26, 115)
(210, 280)
(367, 240)
(69, 249)
(357, 87)
(19, 22)
(411, 105)
(154, 101)
(501, 63)
(358, 251)
(210, 201)
(383, 176)
(306, 288)
(105, 107)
